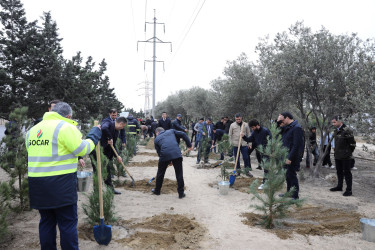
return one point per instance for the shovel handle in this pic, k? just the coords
(114, 150)
(99, 169)
(239, 146)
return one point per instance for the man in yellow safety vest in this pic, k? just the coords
(53, 146)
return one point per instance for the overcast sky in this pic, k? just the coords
(205, 34)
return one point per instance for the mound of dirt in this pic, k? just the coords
(169, 186)
(311, 220)
(150, 144)
(149, 163)
(164, 231)
(242, 184)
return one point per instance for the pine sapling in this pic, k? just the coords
(272, 205)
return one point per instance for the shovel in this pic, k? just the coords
(170, 164)
(133, 182)
(232, 177)
(102, 233)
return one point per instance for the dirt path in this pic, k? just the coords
(203, 219)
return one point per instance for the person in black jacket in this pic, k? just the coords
(154, 125)
(165, 122)
(220, 124)
(344, 147)
(110, 132)
(293, 140)
(259, 137)
(313, 148)
(169, 153)
(177, 125)
(218, 136)
(148, 123)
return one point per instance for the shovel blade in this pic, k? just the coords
(103, 233)
(232, 178)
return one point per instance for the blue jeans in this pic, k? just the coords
(66, 218)
(245, 156)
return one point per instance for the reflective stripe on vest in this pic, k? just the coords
(51, 169)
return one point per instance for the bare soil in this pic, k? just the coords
(169, 186)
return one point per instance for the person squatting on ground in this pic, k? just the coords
(198, 129)
(53, 146)
(293, 140)
(234, 137)
(133, 126)
(313, 148)
(169, 153)
(110, 133)
(206, 134)
(259, 137)
(344, 147)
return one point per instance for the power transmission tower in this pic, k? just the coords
(153, 40)
(147, 89)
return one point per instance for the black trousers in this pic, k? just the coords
(343, 171)
(327, 158)
(162, 167)
(292, 180)
(193, 135)
(108, 180)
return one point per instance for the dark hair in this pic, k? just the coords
(202, 119)
(222, 118)
(209, 119)
(121, 119)
(54, 102)
(164, 112)
(253, 123)
(226, 117)
(111, 111)
(313, 127)
(287, 114)
(237, 115)
(337, 118)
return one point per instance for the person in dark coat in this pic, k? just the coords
(344, 147)
(154, 125)
(169, 153)
(194, 133)
(259, 137)
(293, 140)
(177, 125)
(110, 132)
(227, 124)
(134, 127)
(165, 122)
(313, 148)
(218, 136)
(220, 124)
(148, 123)
(207, 133)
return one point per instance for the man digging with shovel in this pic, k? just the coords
(169, 153)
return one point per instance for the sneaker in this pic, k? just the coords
(261, 187)
(332, 167)
(197, 162)
(116, 192)
(336, 189)
(355, 168)
(181, 196)
(324, 166)
(259, 167)
(347, 193)
(195, 149)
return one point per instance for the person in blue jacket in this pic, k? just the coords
(165, 122)
(169, 153)
(177, 125)
(293, 140)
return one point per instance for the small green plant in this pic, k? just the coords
(272, 205)
(92, 209)
(14, 157)
(4, 205)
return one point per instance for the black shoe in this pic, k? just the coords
(295, 198)
(153, 191)
(347, 193)
(249, 174)
(116, 192)
(181, 196)
(336, 189)
(281, 195)
(259, 167)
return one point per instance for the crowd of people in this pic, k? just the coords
(55, 146)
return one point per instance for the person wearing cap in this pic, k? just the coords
(293, 140)
(313, 148)
(177, 125)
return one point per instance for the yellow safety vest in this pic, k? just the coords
(54, 145)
